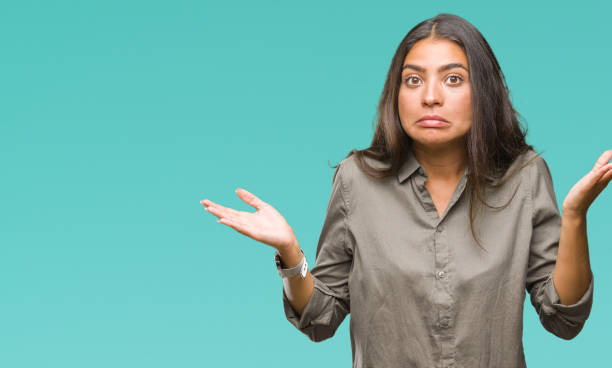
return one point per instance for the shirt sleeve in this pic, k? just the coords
(564, 321)
(330, 302)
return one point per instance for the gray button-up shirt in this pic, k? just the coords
(420, 291)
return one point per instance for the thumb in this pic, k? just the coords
(250, 198)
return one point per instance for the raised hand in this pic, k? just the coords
(266, 225)
(584, 192)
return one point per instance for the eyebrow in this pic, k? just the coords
(440, 69)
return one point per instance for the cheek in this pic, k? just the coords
(466, 103)
(463, 104)
(406, 103)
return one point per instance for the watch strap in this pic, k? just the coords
(301, 269)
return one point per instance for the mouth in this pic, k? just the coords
(432, 123)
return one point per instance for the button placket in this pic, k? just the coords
(440, 274)
(445, 323)
(445, 320)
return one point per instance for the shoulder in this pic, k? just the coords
(350, 169)
(522, 172)
(345, 170)
(530, 163)
(538, 176)
(536, 167)
(350, 162)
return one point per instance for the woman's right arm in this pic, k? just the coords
(317, 304)
(268, 226)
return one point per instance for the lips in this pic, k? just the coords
(432, 121)
(433, 117)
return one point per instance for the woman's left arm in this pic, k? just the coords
(572, 272)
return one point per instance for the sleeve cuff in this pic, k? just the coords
(316, 312)
(578, 311)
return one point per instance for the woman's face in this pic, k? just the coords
(435, 81)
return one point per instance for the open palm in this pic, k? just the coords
(584, 192)
(266, 225)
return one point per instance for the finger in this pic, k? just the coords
(234, 225)
(603, 159)
(250, 198)
(221, 209)
(228, 211)
(607, 176)
(212, 210)
(225, 212)
(603, 171)
(604, 179)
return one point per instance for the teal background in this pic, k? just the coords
(118, 117)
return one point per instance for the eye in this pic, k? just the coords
(410, 78)
(456, 77)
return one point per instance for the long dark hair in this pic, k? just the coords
(495, 138)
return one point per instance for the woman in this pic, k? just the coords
(434, 232)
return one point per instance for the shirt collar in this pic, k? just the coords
(410, 165)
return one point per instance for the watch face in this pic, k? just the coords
(277, 261)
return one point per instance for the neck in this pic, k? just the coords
(445, 163)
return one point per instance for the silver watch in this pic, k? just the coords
(301, 268)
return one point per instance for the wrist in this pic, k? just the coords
(290, 248)
(573, 215)
(290, 256)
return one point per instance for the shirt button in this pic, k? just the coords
(441, 274)
(444, 323)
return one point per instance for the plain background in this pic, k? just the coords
(118, 117)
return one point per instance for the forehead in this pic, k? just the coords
(432, 53)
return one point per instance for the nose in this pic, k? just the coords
(432, 94)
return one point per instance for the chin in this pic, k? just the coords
(435, 139)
